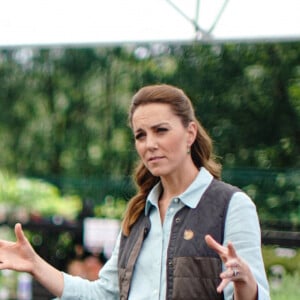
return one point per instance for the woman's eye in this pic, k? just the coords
(139, 136)
(162, 129)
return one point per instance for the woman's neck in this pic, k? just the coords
(173, 186)
(176, 184)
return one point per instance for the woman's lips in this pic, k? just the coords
(155, 158)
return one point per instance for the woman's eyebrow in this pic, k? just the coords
(155, 126)
(160, 124)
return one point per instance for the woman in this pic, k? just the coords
(185, 234)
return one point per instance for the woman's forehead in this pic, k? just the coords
(152, 114)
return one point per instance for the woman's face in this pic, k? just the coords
(161, 140)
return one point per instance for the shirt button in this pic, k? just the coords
(176, 200)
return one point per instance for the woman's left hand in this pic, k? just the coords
(236, 271)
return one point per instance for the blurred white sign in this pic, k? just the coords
(100, 234)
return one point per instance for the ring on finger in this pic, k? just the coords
(235, 272)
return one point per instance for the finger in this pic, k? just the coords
(230, 273)
(3, 265)
(222, 285)
(228, 276)
(233, 263)
(19, 233)
(214, 244)
(231, 250)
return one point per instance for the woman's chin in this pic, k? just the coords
(157, 172)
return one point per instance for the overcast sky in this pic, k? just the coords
(43, 22)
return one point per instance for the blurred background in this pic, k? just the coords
(67, 153)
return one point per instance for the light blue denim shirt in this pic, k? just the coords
(149, 278)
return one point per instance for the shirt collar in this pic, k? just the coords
(190, 197)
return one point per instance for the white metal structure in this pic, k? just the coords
(36, 22)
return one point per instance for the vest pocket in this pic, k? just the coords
(196, 278)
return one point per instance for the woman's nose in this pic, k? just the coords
(151, 143)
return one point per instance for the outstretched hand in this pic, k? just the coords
(19, 255)
(237, 270)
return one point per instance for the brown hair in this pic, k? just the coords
(201, 149)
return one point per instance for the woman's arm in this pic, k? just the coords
(20, 256)
(242, 241)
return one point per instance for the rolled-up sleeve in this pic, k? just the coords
(243, 230)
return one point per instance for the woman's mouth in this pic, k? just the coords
(154, 158)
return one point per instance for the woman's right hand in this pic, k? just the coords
(19, 255)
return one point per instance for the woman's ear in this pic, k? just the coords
(192, 133)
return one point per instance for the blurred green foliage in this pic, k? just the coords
(283, 272)
(64, 115)
(288, 289)
(111, 207)
(276, 194)
(24, 198)
(271, 258)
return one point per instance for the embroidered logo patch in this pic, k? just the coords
(188, 234)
